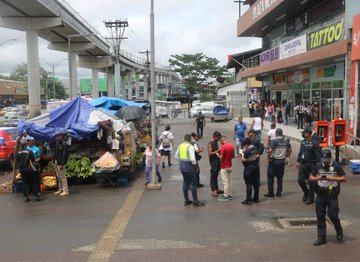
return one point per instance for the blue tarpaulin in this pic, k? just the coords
(220, 110)
(112, 104)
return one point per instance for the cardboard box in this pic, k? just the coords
(5, 188)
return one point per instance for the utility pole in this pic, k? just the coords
(117, 29)
(147, 52)
(240, 3)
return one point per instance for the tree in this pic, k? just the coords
(19, 73)
(195, 69)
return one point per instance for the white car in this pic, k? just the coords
(207, 111)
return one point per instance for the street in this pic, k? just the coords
(157, 226)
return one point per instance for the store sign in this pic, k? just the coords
(327, 73)
(324, 10)
(270, 55)
(355, 48)
(325, 36)
(298, 77)
(237, 98)
(279, 78)
(261, 6)
(293, 47)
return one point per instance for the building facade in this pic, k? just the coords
(306, 52)
(13, 93)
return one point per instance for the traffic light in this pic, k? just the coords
(339, 132)
(322, 130)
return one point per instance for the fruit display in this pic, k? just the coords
(78, 168)
(49, 181)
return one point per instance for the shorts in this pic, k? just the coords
(165, 152)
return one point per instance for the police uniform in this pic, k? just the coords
(327, 198)
(251, 174)
(308, 156)
(260, 150)
(186, 154)
(278, 152)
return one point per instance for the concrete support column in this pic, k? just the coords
(123, 87)
(73, 76)
(32, 49)
(146, 86)
(95, 83)
(137, 86)
(117, 77)
(110, 84)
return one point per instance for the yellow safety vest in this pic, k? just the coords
(183, 151)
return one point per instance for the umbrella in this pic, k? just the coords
(130, 113)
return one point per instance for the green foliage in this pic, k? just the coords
(195, 69)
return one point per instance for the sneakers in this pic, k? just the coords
(230, 197)
(170, 164)
(309, 201)
(58, 192)
(214, 194)
(278, 194)
(64, 194)
(198, 204)
(200, 185)
(269, 195)
(223, 199)
(36, 199)
(339, 235)
(319, 242)
(187, 203)
(26, 199)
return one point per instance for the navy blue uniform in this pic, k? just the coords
(308, 156)
(327, 198)
(251, 173)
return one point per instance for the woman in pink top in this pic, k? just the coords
(148, 163)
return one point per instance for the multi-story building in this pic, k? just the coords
(306, 52)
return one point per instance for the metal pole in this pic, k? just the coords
(70, 70)
(54, 80)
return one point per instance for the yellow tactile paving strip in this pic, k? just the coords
(112, 235)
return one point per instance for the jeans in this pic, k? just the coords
(214, 174)
(238, 144)
(251, 177)
(275, 169)
(200, 130)
(303, 178)
(148, 171)
(227, 181)
(286, 118)
(325, 201)
(270, 116)
(189, 180)
(300, 120)
(258, 134)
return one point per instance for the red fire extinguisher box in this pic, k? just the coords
(322, 130)
(339, 132)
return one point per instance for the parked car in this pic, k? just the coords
(15, 114)
(207, 111)
(221, 114)
(8, 137)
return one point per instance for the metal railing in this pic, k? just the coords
(354, 147)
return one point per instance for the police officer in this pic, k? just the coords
(308, 156)
(328, 175)
(278, 151)
(260, 147)
(186, 154)
(250, 157)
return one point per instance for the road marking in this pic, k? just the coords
(109, 241)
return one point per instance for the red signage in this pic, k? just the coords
(355, 48)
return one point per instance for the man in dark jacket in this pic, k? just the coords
(61, 156)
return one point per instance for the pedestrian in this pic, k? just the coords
(186, 154)
(24, 160)
(35, 173)
(239, 134)
(308, 115)
(61, 157)
(166, 145)
(200, 124)
(271, 134)
(260, 150)
(278, 151)
(198, 149)
(300, 111)
(286, 112)
(251, 168)
(328, 175)
(270, 112)
(287, 160)
(308, 156)
(258, 125)
(148, 163)
(215, 164)
(226, 154)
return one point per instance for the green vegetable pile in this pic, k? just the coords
(78, 168)
(138, 158)
(49, 168)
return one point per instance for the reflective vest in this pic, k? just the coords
(183, 151)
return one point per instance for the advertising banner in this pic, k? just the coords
(355, 47)
(327, 35)
(327, 73)
(298, 77)
(293, 47)
(270, 55)
(237, 98)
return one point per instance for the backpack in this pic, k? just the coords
(166, 141)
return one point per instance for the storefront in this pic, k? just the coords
(354, 98)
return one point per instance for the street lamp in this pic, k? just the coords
(9, 40)
(70, 65)
(53, 66)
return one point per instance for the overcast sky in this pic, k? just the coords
(186, 26)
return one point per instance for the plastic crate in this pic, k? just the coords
(355, 166)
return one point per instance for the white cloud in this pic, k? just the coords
(185, 26)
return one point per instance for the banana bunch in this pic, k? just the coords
(49, 181)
